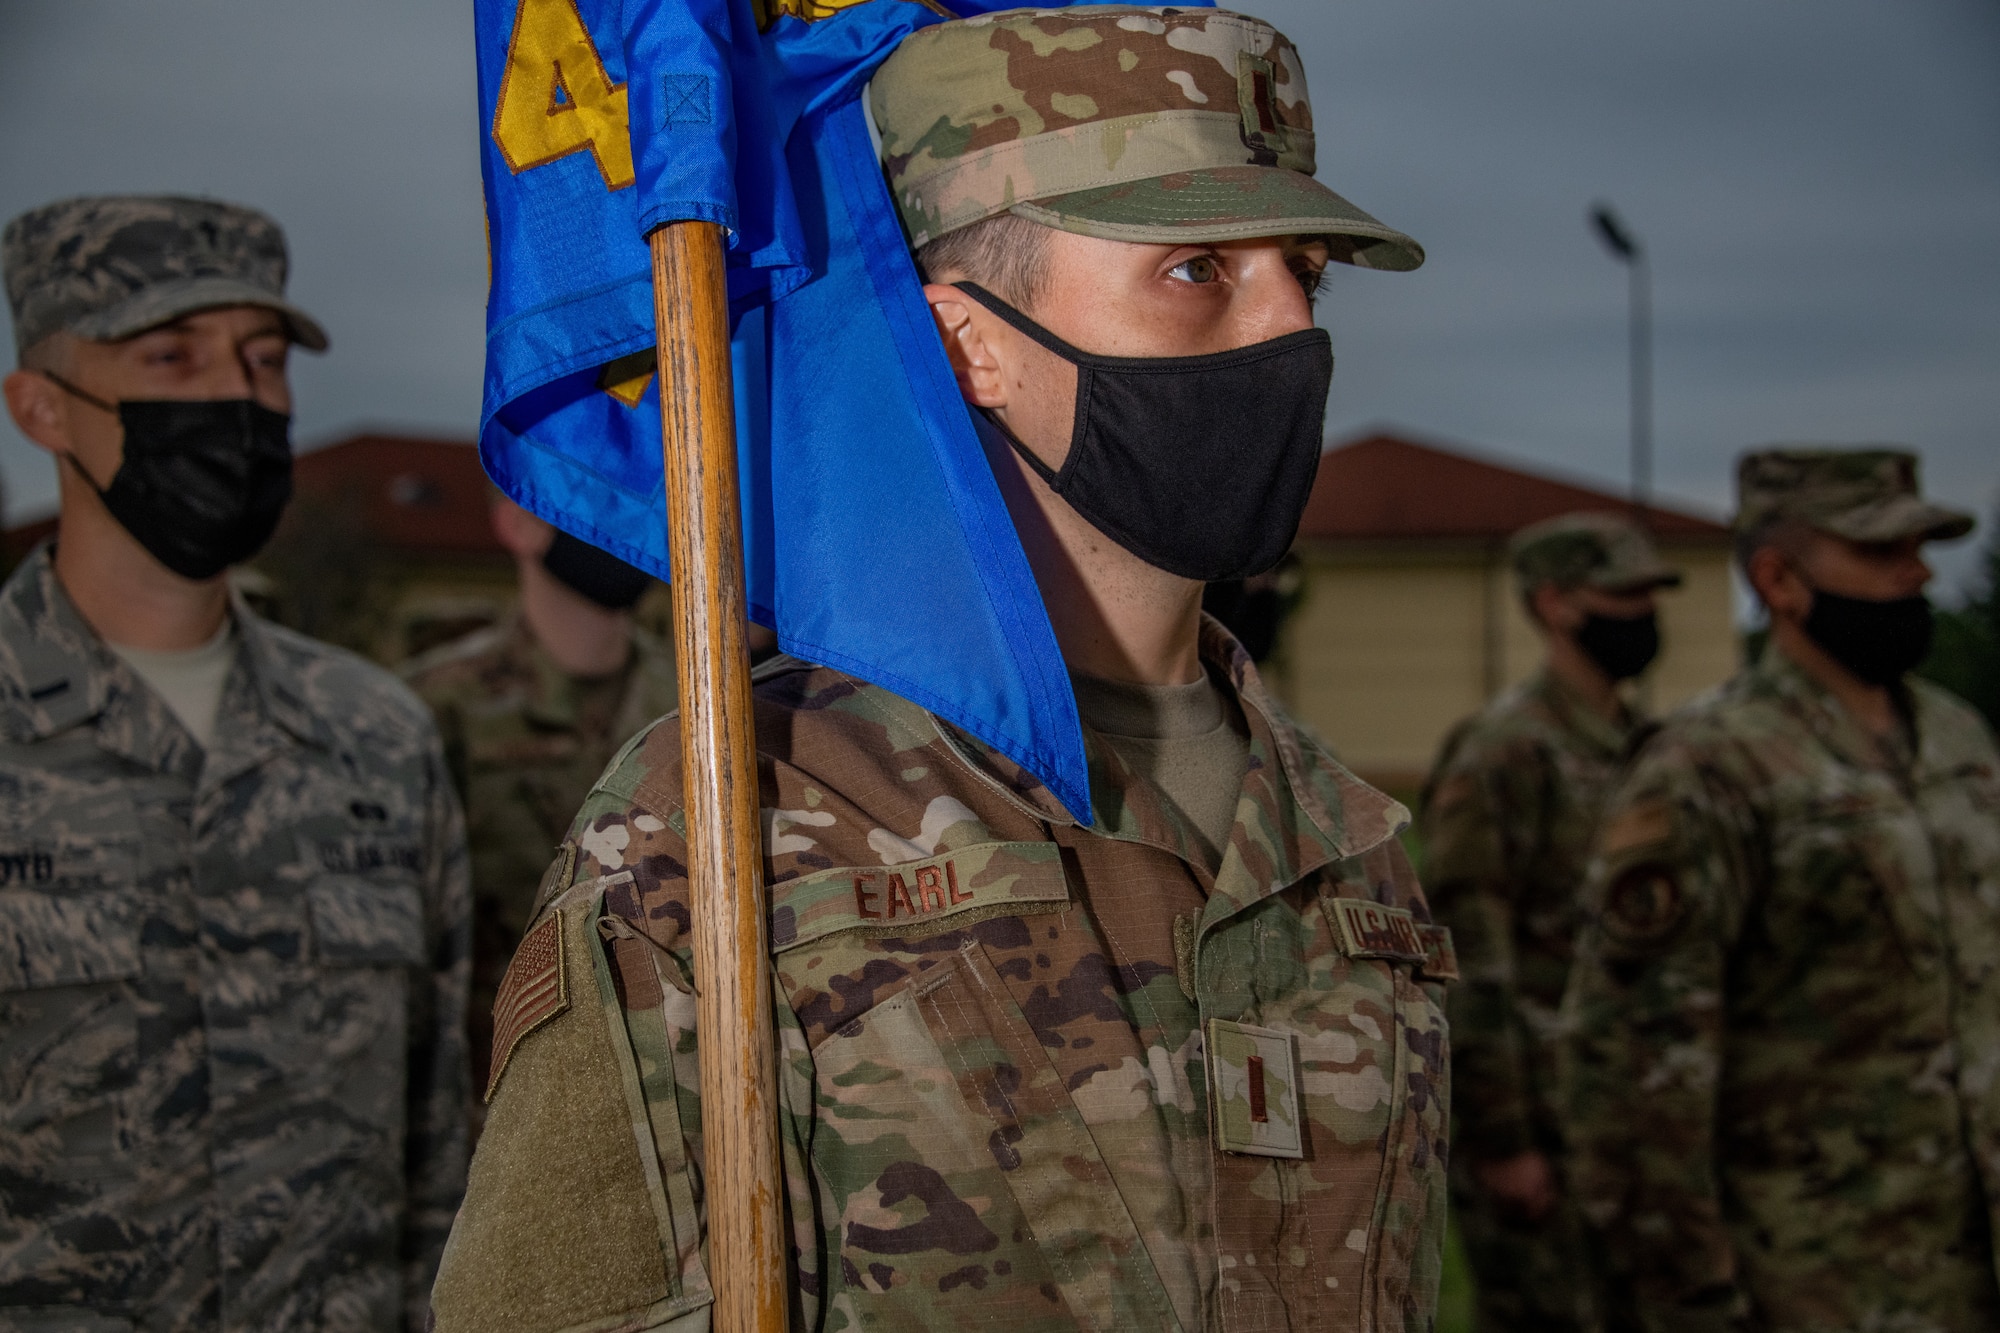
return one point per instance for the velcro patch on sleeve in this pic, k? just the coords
(912, 899)
(535, 989)
(1374, 930)
(1440, 958)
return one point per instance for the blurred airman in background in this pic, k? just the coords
(1783, 1078)
(1507, 818)
(531, 710)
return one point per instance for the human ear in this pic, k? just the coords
(1555, 608)
(520, 531)
(1777, 584)
(38, 410)
(974, 363)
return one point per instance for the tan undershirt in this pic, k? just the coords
(1189, 741)
(189, 681)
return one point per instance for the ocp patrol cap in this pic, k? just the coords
(1124, 122)
(1589, 550)
(108, 267)
(1863, 494)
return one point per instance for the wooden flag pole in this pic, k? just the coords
(747, 1240)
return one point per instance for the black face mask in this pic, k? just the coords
(1876, 640)
(1622, 647)
(597, 575)
(203, 482)
(1198, 465)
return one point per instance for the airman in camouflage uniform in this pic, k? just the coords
(232, 975)
(1034, 1074)
(526, 738)
(1781, 1083)
(1508, 817)
(997, 1110)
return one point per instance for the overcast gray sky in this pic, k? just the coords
(1818, 182)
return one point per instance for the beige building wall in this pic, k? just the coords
(1390, 648)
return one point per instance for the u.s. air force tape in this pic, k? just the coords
(1370, 929)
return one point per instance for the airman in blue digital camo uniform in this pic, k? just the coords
(233, 911)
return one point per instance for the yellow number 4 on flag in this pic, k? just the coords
(556, 99)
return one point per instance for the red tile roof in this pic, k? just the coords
(1381, 488)
(418, 495)
(429, 495)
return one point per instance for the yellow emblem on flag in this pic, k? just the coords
(811, 11)
(556, 97)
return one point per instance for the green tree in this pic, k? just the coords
(1965, 658)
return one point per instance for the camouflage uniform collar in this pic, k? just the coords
(280, 691)
(57, 674)
(1821, 714)
(1294, 816)
(1299, 809)
(555, 698)
(553, 694)
(1574, 713)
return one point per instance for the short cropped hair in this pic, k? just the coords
(51, 353)
(1007, 255)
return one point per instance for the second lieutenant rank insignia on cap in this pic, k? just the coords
(534, 990)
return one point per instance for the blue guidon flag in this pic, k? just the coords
(875, 537)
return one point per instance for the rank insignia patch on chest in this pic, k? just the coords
(534, 990)
(1253, 1073)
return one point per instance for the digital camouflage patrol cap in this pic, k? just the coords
(1864, 495)
(1607, 551)
(108, 267)
(1127, 123)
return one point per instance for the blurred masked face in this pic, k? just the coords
(1873, 571)
(1862, 603)
(1619, 631)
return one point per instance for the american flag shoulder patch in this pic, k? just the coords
(535, 989)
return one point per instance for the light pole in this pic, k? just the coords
(1618, 238)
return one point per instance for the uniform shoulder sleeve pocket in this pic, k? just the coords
(565, 1225)
(357, 921)
(1640, 902)
(75, 939)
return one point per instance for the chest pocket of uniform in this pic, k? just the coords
(1353, 1063)
(69, 1029)
(75, 939)
(1376, 1076)
(957, 1161)
(954, 1168)
(1879, 842)
(360, 922)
